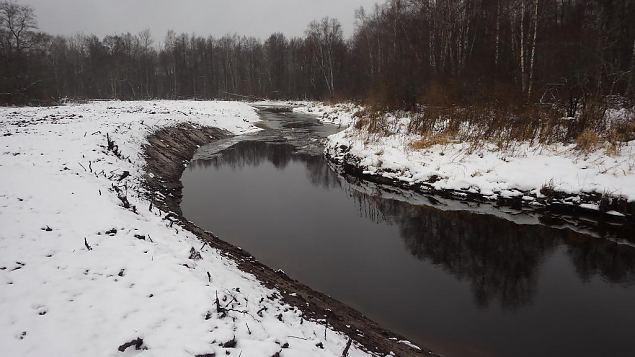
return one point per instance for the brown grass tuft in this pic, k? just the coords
(371, 120)
(427, 141)
(587, 141)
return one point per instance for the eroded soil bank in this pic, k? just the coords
(167, 153)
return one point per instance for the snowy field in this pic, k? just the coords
(80, 275)
(487, 170)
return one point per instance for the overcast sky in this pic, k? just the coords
(257, 18)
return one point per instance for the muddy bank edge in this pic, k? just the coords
(167, 153)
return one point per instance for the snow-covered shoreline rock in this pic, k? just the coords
(83, 275)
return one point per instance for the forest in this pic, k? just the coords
(403, 53)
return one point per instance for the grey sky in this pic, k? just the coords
(217, 17)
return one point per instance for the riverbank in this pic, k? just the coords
(557, 178)
(97, 259)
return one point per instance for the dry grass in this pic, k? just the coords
(371, 120)
(587, 141)
(548, 190)
(501, 117)
(430, 140)
(478, 124)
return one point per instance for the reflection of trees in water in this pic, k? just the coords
(613, 262)
(254, 153)
(499, 258)
(319, 173)
(250, 153)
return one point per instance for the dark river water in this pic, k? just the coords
(458, 282)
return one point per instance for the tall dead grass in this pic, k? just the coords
(504, 119)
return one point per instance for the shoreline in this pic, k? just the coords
(93, 258)
(166, 152)
(554, 210)
(343, 151)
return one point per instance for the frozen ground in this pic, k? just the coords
(80, 275)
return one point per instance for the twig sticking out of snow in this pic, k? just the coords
(299, 338)
(112, 146)
(259, 312)
(348, 346)
(86, 244)
(220, 309)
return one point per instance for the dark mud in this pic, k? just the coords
(167, 153)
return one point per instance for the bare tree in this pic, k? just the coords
(324, 36)
(18, 22)
(401, 54)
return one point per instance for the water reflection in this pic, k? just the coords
(500, 259)
(254, 153)
(459, 282)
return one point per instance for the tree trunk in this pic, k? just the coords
(533, 51)
(523, 84)
(498, 26)
(631, 85)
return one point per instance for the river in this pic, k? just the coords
(459, 280)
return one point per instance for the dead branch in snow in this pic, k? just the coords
(348, 346)
(86, 244)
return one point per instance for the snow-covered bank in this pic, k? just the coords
(534, 174)
(337, 114)
(83, 275)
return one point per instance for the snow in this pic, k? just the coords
(69, 288)
(338, 114)
(487, 169)
(341, 114)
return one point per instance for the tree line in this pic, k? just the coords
(402, 53)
